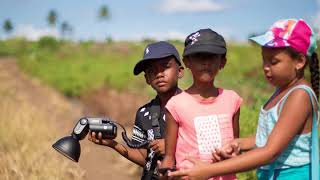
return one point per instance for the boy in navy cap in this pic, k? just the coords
(162, 67)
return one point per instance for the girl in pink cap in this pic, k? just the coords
(286, 143)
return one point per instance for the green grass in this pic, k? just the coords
(75, 69)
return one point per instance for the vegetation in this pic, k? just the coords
(52, 18)
(7, 26)
(65, 29)
(104, 13)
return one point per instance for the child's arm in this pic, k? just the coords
(135, 155)
(296, 111)
(170, 141)
(235, 123)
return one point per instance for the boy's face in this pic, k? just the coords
(204, 66)
(163, 74)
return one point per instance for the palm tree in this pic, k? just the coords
(65, 28)
(52, 18)
(7, 26)
(104, 13)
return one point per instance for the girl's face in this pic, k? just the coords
(204, 66)
(163, 74)
(279, 67)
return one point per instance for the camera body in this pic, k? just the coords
(106, 127)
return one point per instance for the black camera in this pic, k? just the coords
(106, 127)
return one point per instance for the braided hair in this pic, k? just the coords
(313, 62)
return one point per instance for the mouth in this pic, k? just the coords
(269, 78)
(206, 71)
(161, 83)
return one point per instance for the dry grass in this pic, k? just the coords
(27, 130)
(25, 143)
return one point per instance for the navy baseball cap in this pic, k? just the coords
(204, 41)
(157, 50)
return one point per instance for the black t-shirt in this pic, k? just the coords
(143, 131)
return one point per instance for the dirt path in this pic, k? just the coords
(98, 162)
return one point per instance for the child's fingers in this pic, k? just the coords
(152, 143)
(236, 148)
(216, 155)
(226, 155)
(93, 137)
(154, 146)
(159, 163)
(229, 149)
(179, 173)
(100, 138)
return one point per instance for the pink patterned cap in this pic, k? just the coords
(289, 33)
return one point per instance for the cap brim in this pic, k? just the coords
(267, 40)
(140, 66)
(262, 40)
(204, 48)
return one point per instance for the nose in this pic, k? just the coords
(266, 67)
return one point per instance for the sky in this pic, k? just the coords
(157, 19)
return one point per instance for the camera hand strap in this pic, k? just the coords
(155, 117)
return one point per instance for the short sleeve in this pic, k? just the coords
(171, 108)
(138, 135)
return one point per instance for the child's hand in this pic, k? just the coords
(106, 142)
(164, 164)
(227, 151)
(158, 146)
(198, 172)
(164, 169)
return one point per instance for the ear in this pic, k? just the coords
(180, 72)
(147, 79)
(223, 62)
(301, 62)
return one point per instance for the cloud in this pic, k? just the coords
(32, 33)
(191, 6)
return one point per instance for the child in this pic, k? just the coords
(286, 141)
(203, 117)
(162, 67)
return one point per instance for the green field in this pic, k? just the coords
(77, 68)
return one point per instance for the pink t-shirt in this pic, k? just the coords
(203, 125)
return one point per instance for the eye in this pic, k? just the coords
(274, 61)
(166, 65)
